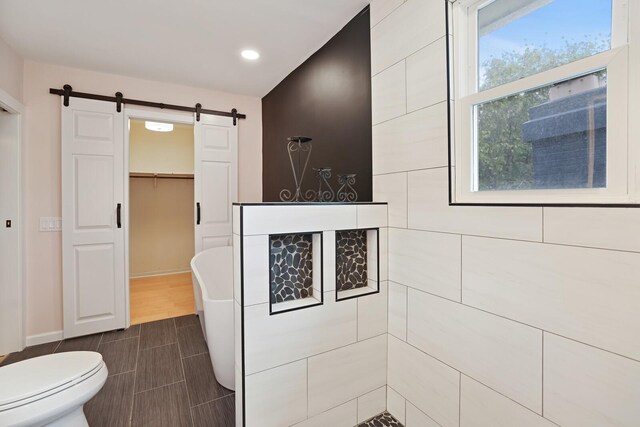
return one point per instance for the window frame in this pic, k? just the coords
(623, 178)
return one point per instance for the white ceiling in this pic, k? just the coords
(192, 42)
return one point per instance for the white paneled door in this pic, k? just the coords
(216, 180)
(92, 236)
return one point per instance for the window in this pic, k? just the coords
(541, 101)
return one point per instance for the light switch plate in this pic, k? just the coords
(50, 223)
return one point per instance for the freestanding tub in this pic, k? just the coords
(212, 272)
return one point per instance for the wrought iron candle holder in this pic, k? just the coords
(325, 192)
(346, 192)
(301, 147)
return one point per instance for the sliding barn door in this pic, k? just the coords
(92, 237)
(216, 180)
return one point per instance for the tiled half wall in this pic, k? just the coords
(312, 364)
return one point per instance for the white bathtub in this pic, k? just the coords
(212, 272)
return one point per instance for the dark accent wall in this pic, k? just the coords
(327, 98)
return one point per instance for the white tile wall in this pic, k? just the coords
(396, 405)
(381, 8)
(372, 404)
(346, 373)
(329, 260)
(344, 415)
(594, 227)
(384, 253)
(481, 406)
(372, 313)
(274, 340)
(235, 210)
(392, 188)
(389, 93)
(411, 26)
(505, 355)
(414, 141)
(427, 76)
(285, 219)
(588, 387)
(398, 310)
(429, 384)
(417, 418)
(426, 261)
(372, 216)
(277, 397)
(256, 269)
(429, 210)
(237, 282)
(586, 294)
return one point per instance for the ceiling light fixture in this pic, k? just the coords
(158, 126)
(249, 54)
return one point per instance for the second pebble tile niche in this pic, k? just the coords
(356, 263)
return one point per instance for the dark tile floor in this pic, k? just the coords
(383, 420)
(160, 374)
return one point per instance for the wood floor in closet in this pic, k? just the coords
(161, 297)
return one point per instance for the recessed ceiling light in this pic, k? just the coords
(158, 126)
(249, 54)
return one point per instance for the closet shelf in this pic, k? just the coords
(161, 175)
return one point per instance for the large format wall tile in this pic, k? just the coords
(594, 227)
(429, 210)
(416, 418)
(414, 141)
(256, 269)
(406, 30)
(372, 313)
(427, 76)
(586, 294)
(389, 93)
(429, 384)
(297, 219)
(372, 404)
(346, 373)
(426, 261)
(372, 216)
(588, 387)
(382, 8)
(396, 405)
(398, 310)
(274, 340)
(344, 415)
(481, 407)
(392, 188)
(277, 397)
(503, 354)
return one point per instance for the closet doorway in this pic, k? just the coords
(161, 219)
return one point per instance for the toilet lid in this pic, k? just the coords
(40, 375)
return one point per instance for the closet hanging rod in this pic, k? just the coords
(161, 175)
(67, 92)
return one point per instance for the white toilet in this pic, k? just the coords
(50, 390)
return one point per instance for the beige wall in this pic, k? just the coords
(485, 302)
(42, 164)
(160, 152)
(161, 235)
(11, 65)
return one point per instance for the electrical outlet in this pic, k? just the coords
(52, 224)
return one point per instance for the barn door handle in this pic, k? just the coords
(198, 213)
(119, 215)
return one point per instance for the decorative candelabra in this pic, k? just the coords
(346, 192)
(302, 146)
(299, 147)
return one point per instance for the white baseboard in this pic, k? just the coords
(158, 274)
(44, 338)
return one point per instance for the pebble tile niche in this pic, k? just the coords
(356, 262)
(351, 259)
(291, 263)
